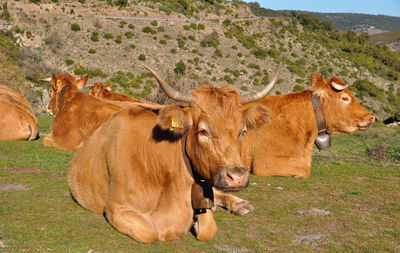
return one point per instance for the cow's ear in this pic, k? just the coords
(81, 82)
(255, 116)
(319, 84)
(175, 119)
(108, 87)
(53, 82)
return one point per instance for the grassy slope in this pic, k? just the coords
(360, 194)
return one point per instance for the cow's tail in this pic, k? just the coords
(34, 130)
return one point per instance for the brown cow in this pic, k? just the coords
(17, 119)
(138, 168)
(284, 147)
(101, 91)
(78, 114)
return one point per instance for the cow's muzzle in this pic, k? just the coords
(231, 179)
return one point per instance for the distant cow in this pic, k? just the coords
(138, 168)
(78, 114)
(284, 147)
(101, 91)
(17, 119)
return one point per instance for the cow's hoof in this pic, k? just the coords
(243, 208)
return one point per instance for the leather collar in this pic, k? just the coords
(202, 194)
(63, 90)
(323, 140)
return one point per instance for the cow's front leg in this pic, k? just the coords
(133, 224)
(204, 226)
(234, 204)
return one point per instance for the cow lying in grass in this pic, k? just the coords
(101, 91)
(139, 168)
(17, 119)
(284, 147)
(78, 114)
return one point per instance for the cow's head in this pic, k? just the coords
(342, 112)
(56, 85)
(214, 125)
(98, 88)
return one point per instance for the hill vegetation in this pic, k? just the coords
(221, 42)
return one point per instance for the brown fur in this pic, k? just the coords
(132, 168)
(284, 146)
(17, 119)
(101, 91)
(78, 116)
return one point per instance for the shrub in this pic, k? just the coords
(142, 57)
(75, 27)
(132, 46)
(173, 51)
(191, 37)
(122, 24)
(129, 35)
(186, 27)
(297, 88)
(69, 62)
(200, 27)
(118, 39)
(163, 42)
(92, 51)
(149, 30)
(161, 29)
(108, 36)
(180, 68)
(131, 26)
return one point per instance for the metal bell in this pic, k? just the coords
(323, 141)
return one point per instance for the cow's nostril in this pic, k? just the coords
(372, 118)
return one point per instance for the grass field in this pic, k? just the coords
(350, 203)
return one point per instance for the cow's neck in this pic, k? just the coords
(202, 194)
(323, 140)
(62, 92)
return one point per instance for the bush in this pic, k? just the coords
(75, 27)
(118, 39)
(131, 26)
(108, 36)
(297, 88)
(129, 35)
(69, 62)
(180, 68)
(191, 37)
(173, 51)
(142, 57)
(161, 29)
(154, 23)
(149, 30)
(92, 51)
(200, 27)
(163, 42)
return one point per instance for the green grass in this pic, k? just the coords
(358, 195)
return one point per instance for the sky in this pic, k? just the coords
(384, 7)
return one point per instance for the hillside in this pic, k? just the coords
(391, 39)
(363, 23)
(70, 36)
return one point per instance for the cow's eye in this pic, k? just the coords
(243, 132)
(204, 133)
(345, 99)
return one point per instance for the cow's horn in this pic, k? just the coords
(171, 92)
(262, 93)
(45, 80)
(338, 86)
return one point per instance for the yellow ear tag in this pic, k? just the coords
(176, 124)
(58, 83)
